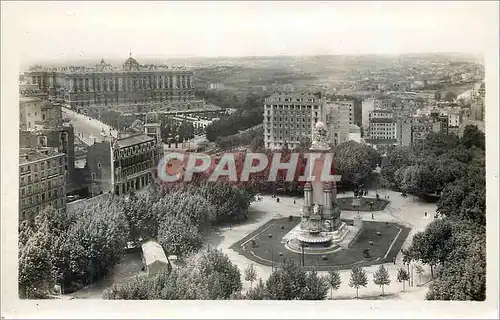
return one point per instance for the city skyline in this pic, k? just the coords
(172, 30)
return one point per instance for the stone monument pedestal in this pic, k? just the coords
(358, 222)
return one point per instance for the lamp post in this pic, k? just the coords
(303, 255)
(272, 259)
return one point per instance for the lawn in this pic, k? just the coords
(271, 252)
(377, 205)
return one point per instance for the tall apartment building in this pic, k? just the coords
(367, 106)
(403, 131)
(125, 164)
(420, 129)
(291, 116)
(41, 181)
(382, 125)
(104, 84)
(338, 118)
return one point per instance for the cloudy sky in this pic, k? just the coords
(54, 30)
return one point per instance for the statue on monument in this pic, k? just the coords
(320, 139)
(316, 209)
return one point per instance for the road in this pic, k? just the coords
(87, 129)
(193, 143)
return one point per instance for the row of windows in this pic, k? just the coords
(135, 150)
(161, 81)
(291, 107)
(41, 198)
(25, 214)
(41, 164)
(146, 165)
(42, 186)
(35, 177)
(133, 184)
(127, 162)
(151, 96)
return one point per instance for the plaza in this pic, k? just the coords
(401, 211)
(265, 246)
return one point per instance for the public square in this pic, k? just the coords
(403, 211)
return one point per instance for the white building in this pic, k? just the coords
(290, 116)
(367, 106)
(36, 113)
(382, 125)
(354, 133)
(153, 257)
(338, 117)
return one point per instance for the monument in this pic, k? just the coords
(320, 228)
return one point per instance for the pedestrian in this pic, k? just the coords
(372, 216)
(293, 201)
(394, 260)
(425, 214)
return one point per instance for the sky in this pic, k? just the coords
(69, 30)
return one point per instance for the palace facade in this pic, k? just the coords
(104, 84)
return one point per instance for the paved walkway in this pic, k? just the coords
(404, 210)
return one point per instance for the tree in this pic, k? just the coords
(250, 274)
(92, 243)
(353, 162)
(257, 143)
(357, 279)
(450, 96)
(334, 281)
(463, 278)
(287, 283)
(437, 96)
(259, 292)
(381, 277)
(179, 236)
(472, 136)
(35, 266)
(316, 287)
(420, 271)
(222, 277)
(403, 276)
(397, 158)
(432, 246)
(136, 289)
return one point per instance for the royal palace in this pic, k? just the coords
(104, 84)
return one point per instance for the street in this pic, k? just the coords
(87, 129)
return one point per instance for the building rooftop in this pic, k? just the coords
(27, 155)
(132, 139)
(152, 251)
(130, 65)
(381, 111)
(29, 99)
(381, 120)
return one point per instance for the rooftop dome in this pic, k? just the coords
(131, 64)
(320, 125)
